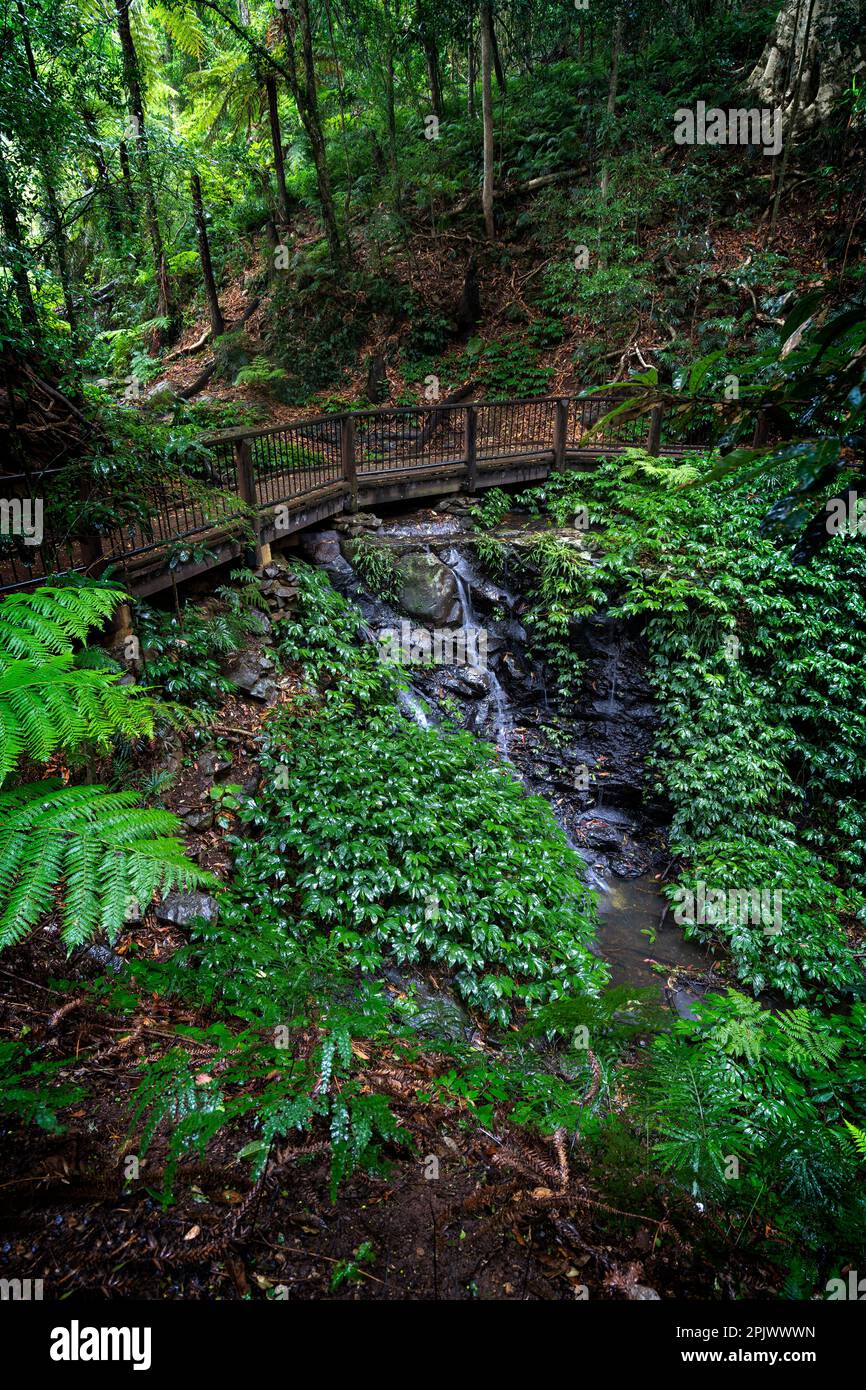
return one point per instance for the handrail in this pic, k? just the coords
(295, 467)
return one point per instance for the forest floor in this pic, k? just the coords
(431, 269)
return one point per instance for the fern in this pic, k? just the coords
(859, 1138)
(106, 851)
(88, 851)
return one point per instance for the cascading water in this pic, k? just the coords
(608, 729)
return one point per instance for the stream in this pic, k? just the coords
(585, 756)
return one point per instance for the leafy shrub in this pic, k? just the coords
(376, 567)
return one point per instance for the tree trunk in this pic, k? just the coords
(14, 254)
(126, 177)
(297, 22)
(165, 306)
(612, 89)
(471, 76)
(494, 49)
(487, 118)
(214, 312)
(431, 56)
(277, 142)
(113, 213)
(819, 48)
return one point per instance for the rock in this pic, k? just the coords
(428, 588)
(265, 691)
(248, 672)
(215, 766)
(642, 1293)
(198, 820)
(182, 908)
(161, 396)
(469, 682)
(437, 1013)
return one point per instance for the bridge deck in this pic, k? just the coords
(250, 487)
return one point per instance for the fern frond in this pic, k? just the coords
(98, 847)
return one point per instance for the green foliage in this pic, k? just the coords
(104, 850)
(31, 1092)
(773, 1092)
(375, 565)
(350, 1271)
(564, 590)
(508, 369)
(490, 508)
(182, 654)
(798, 944)
(396, 841)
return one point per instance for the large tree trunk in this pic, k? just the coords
(487, 117)
(165, 306)
(471, 74)
(296, 23)
(277, 142)
(214, 312)
(826, 54)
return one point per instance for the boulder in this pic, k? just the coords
(427, 588)
(182, 908)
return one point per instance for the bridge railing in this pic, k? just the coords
(254, 471)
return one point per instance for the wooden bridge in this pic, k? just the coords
(248, 488)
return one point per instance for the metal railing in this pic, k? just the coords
(253, 473)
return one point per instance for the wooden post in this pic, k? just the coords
(470, 434)
(347, 455)
(654, 436)
(560, 434)
(246, 477)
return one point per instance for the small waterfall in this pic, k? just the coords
(413, 708)
(502, 721)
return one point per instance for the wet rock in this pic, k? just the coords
(249, 673)
(323, 548)
(198, 820)
(468, 682)
(436, 1013)
(98, 957)
(182, 908)
(160, 396)
(605, 829)
(215, 766)
(428, 588)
